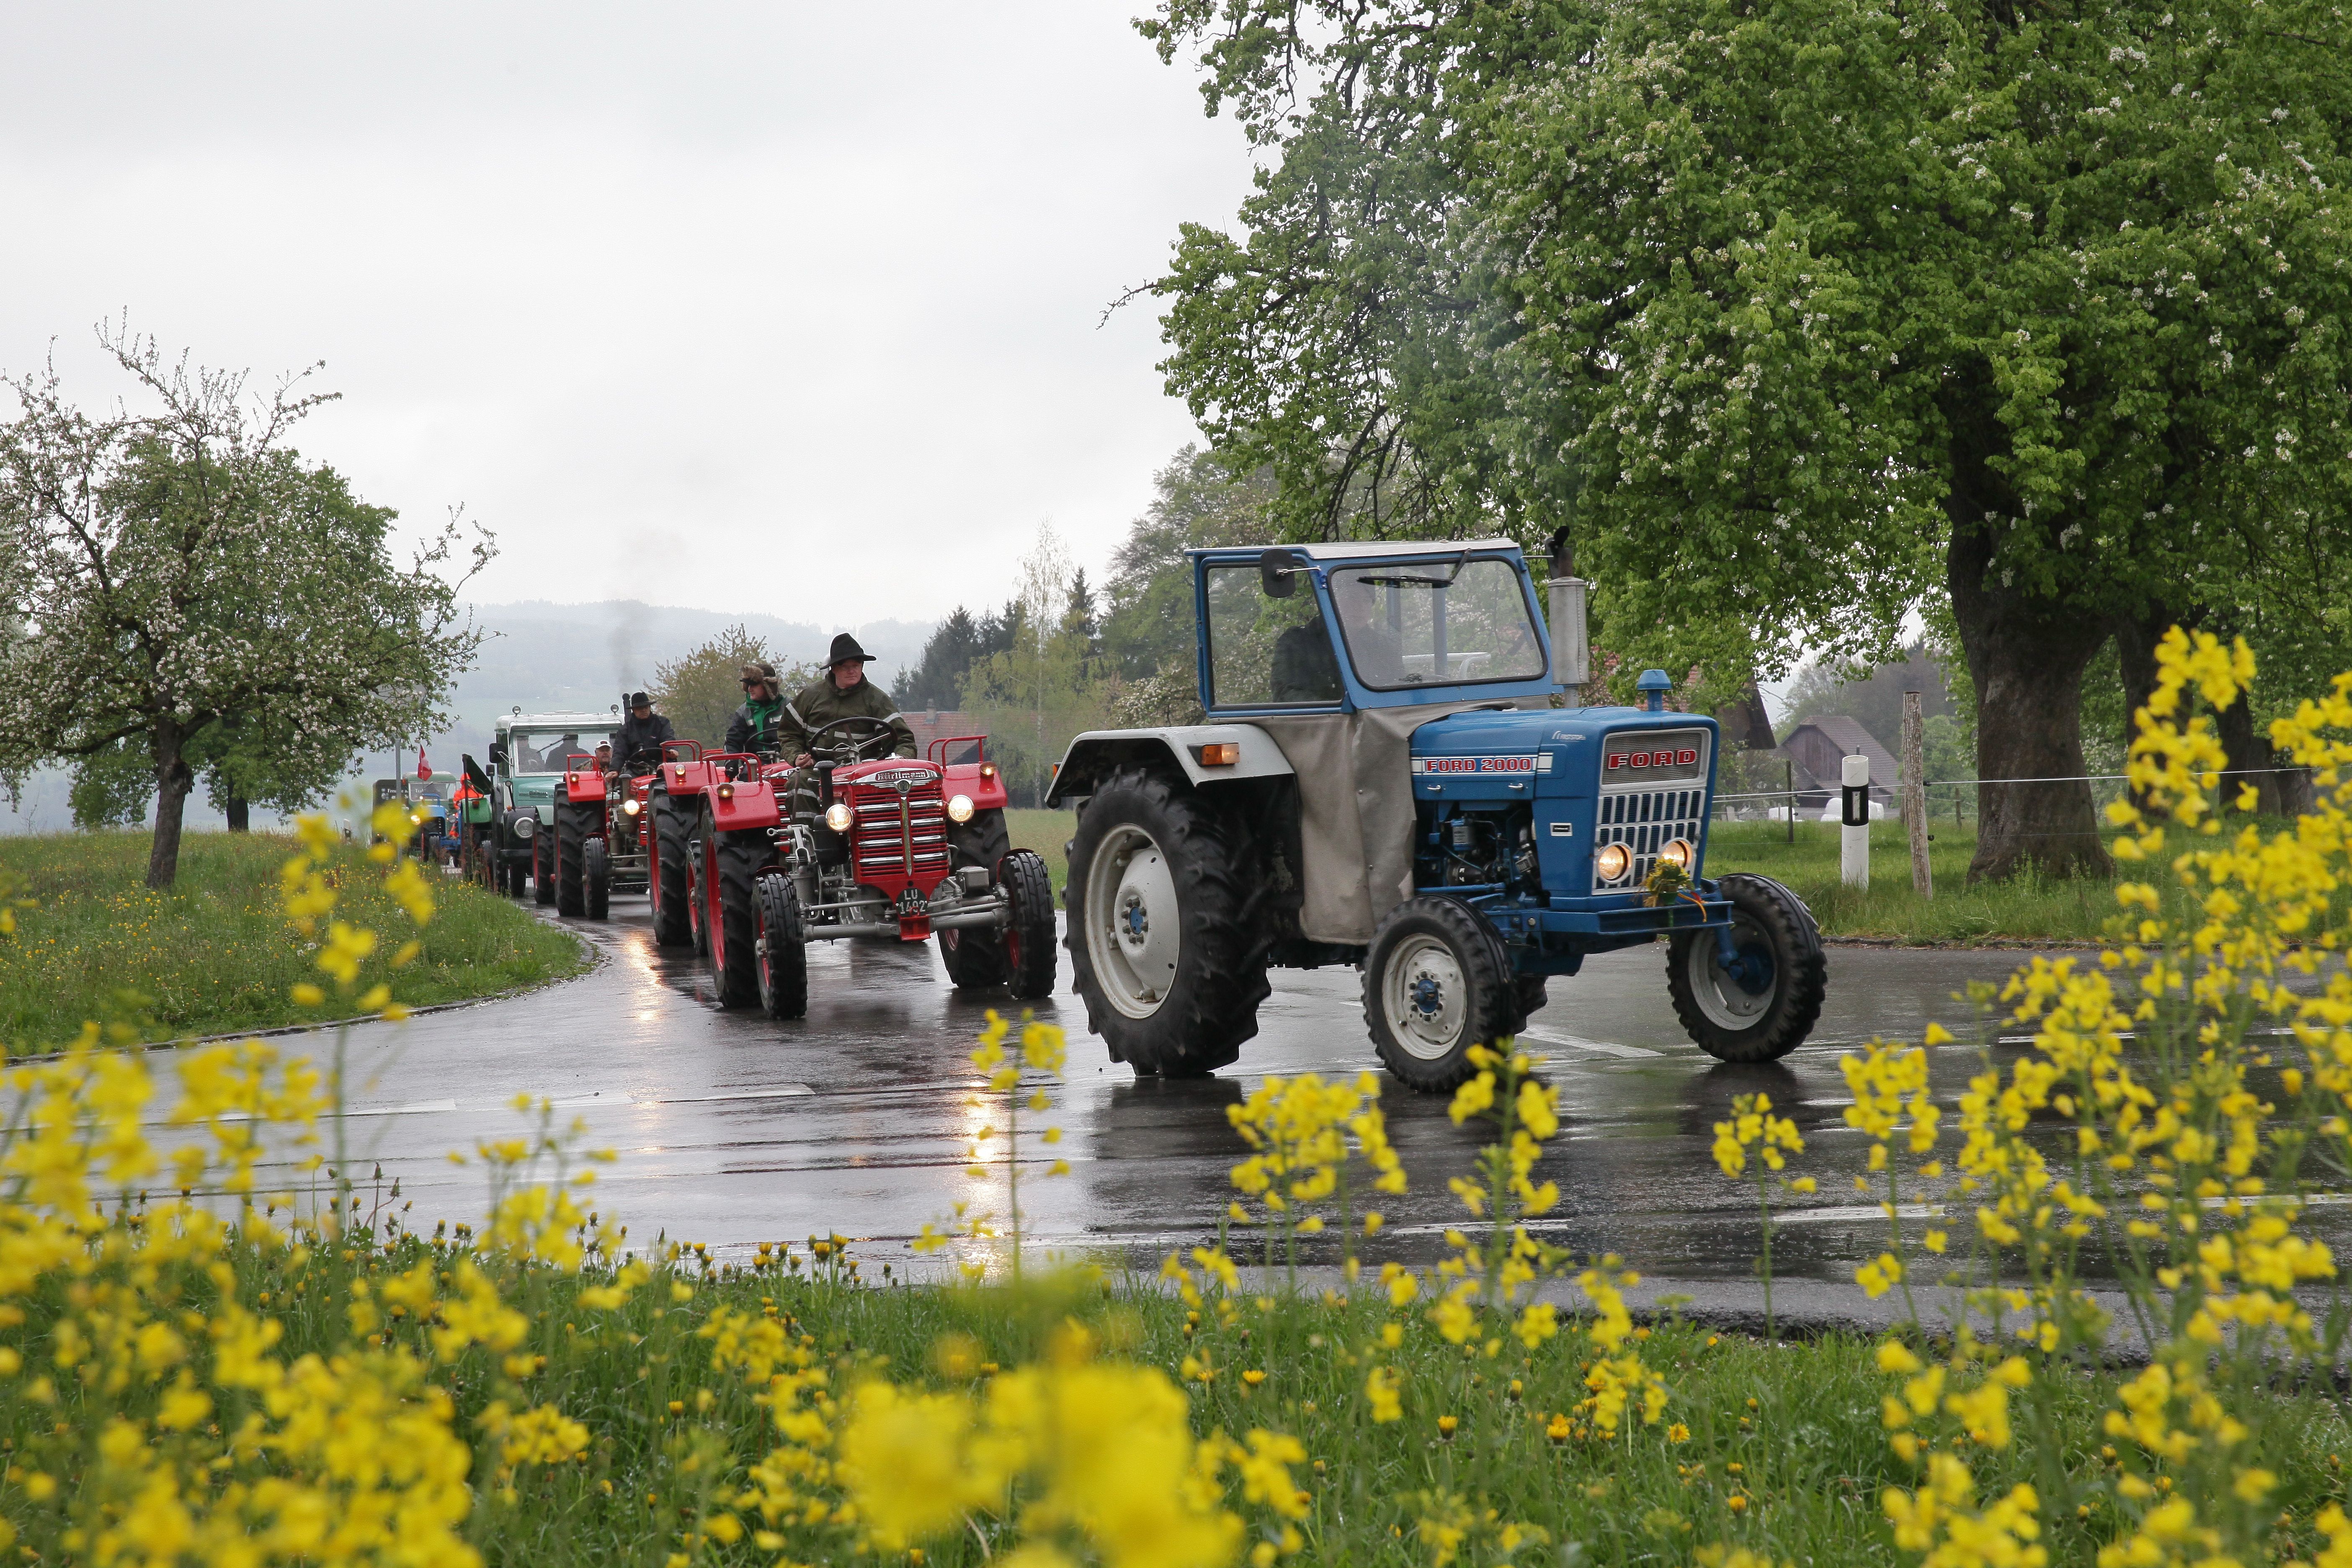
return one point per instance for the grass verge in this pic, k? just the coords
(214, 953)
(1781, 1451)
(2031, 907)
(1045, 832)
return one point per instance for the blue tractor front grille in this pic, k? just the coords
(1644, 821)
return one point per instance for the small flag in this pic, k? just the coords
(423, 769)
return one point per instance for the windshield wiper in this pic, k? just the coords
(1445, 582)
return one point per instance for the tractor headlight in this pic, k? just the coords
(1679, 854)
(1612, 864)
(837, 816)
(523, 827)
(959, 808)
(629, 809)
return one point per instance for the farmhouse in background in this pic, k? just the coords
(939, 723)
(1816, 747)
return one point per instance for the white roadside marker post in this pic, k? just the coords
(1854, 835)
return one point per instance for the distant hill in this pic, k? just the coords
(542, 656)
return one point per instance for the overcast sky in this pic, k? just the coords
(788, 308)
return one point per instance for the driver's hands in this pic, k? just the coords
(804, 759)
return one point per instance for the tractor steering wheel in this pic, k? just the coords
(856, 748)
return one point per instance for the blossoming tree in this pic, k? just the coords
(180, 567)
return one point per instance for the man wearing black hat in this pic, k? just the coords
(639, 739)
(842, 692)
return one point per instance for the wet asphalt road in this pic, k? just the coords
(733, 1129)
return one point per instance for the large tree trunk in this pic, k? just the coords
(172, 779)
(239, 810)
(2281, 789)
(2136, 640)
(2026, 652)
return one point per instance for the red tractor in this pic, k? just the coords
(881, 848)
(574, 867)
(623, 832)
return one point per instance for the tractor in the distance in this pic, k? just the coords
(606, 839)
(1385, 781)
(873, 847)
(526, 772)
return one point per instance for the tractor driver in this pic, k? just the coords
(842, 692)
(642, 733)
(754, 726)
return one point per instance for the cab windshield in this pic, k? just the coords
(1421, 623)
(543, 750)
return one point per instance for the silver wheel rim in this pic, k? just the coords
(1133, 932)
(1425, 997)
(1722, 1000)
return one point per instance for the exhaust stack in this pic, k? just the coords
(1570, 653)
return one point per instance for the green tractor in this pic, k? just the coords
(513, 837)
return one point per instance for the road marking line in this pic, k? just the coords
(1630, 1053)
(1840, 1214)
(780, 1092)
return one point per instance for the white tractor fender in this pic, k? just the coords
(1097, 752)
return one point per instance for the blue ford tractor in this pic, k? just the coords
(1383, 780)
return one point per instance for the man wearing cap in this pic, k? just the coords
(641, 734)
(842, 692)
(754, 726)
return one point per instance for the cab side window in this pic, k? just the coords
(1266, 652)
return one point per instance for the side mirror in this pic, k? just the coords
(1278, 573)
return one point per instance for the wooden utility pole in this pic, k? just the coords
(1915, 794)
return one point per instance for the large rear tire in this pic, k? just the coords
(974, 958)
(1436, 983)
(729, 916)
(783, 950)
(673, 827)
(596, 877)
(1027, 940)
(1762, 1004)
(1163, 945)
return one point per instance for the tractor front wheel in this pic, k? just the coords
(728, 917)
(673, 828)
(1028, 938)
(572, 826)
(597, 875)
(1162, 947)
(542, 864)
(783, 951)
(1757, 1003)
(1436, 983)
(975, 958)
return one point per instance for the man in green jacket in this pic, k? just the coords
(754, 727)
(842, 692)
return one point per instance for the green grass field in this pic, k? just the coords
(214, 953)
(1045, 832)
(1781, 1451)
(2028, 909)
